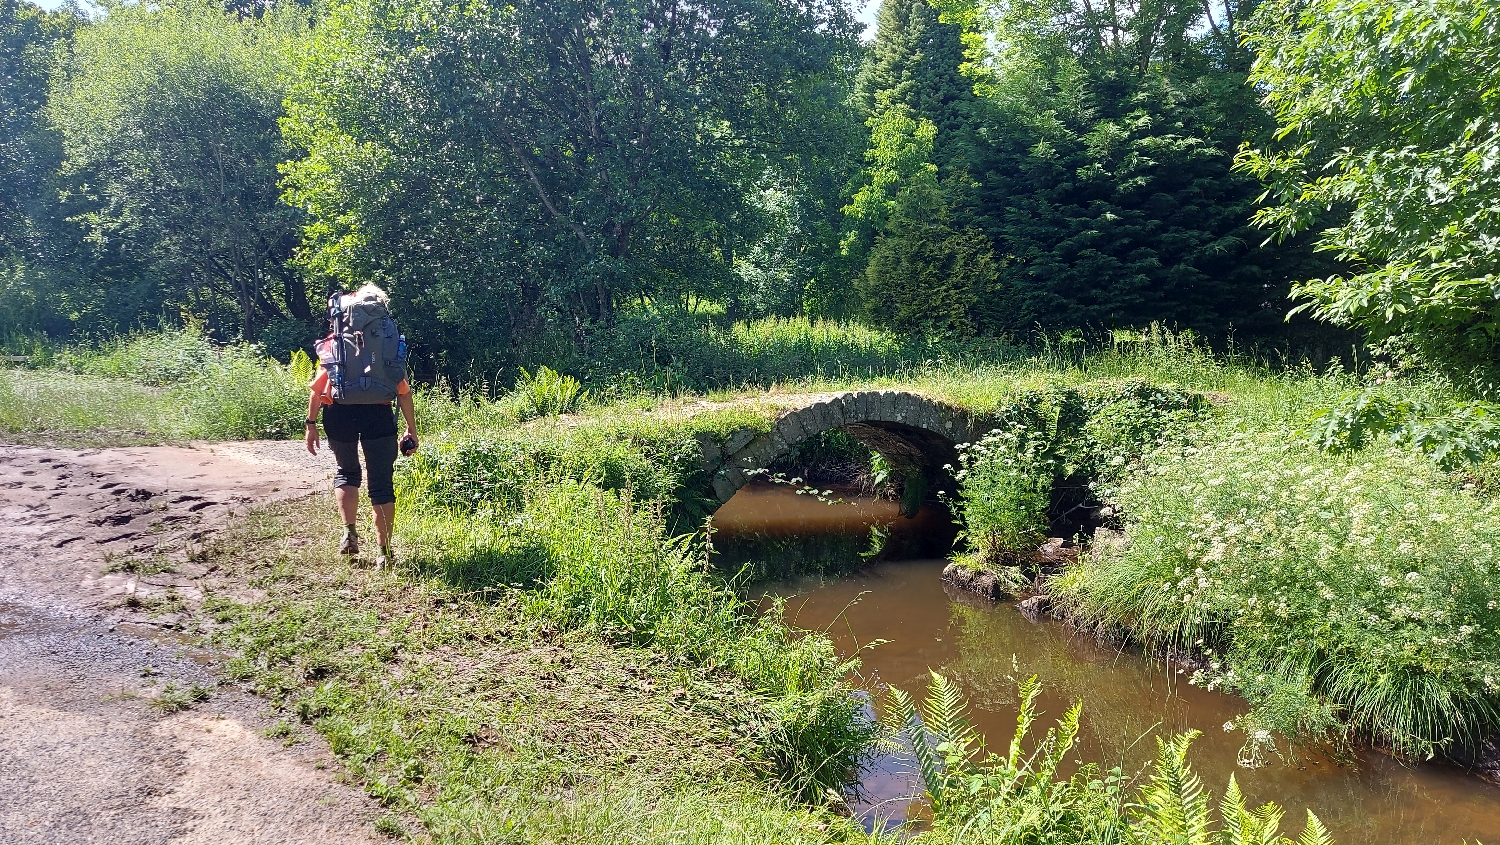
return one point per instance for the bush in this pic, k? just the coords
(1052, 441)
(1328, 589)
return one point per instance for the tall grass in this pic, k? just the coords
(1337, 593)
(588, 559)
(166, 385)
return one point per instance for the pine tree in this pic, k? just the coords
(928, 268)
(915, 62)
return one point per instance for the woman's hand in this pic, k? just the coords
(311, 439)
(411, 435)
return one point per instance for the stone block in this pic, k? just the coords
(709, 453)
(791, 429)
(739, 440)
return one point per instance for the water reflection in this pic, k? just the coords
(1127, 700)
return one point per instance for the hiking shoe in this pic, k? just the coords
(385, 557)
(350, 546)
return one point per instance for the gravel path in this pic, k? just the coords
(85, 756)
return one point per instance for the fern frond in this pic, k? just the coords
(1172, 808)
(902, 720)
(946, 715)
(1315, 833)
(1028, 689)
(1060, 741)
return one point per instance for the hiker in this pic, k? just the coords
(362, 369)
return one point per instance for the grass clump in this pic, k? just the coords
(982, 797)
(1348, 594)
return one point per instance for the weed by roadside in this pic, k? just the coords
(174, 699)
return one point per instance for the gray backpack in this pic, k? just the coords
(364, 354)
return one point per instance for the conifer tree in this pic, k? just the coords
(928, 268)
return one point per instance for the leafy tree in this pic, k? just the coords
(509, 167)
(29, 39)
(1387, 111)
(168, 115)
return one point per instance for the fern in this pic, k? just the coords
(1172, 808)
(1261, 826)
(903, 722)
(1315, 833)
(548, 393)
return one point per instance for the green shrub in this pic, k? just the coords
(1452, 433)
(1354, 590)
(1049, 441)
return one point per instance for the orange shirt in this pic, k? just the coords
(319, 386)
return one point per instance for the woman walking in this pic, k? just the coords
(362, 369)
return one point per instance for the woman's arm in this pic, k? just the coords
(310, 437)
(409, 413)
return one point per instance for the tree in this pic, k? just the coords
(1387, 112)
(169, 120)
(1105, 181)
(926, 267)
(514, 167)
(29, 152)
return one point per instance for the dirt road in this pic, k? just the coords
(96, 585)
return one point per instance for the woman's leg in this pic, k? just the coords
(380, 462)
(346, 490)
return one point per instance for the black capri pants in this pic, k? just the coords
(373, 427)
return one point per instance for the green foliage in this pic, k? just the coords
(1452, 433)
(1385, 112)
(982, 797)
(1104, 179)
(169, 121)
(29, 154)
(172, 385)
(674, 350)
(504, 727)
(589, 559)
(545, 182)
(1336, 592)
(548, 393)
(927, 270)
(1050, 438)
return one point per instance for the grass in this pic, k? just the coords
(1343, 595)
(151, 388)
(622, 696)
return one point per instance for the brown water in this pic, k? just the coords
(1127, 701)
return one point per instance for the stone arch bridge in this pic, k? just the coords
(916, 436)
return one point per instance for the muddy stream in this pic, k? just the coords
(1127, 699)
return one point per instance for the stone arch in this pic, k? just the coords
(916, 436)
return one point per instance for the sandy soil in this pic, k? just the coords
(84, 756)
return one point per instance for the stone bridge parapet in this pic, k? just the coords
(915, 435)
